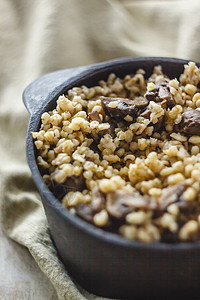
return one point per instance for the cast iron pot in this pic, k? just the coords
(105, 263)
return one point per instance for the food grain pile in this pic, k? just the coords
(125, 155)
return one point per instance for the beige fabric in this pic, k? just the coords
(38, 36)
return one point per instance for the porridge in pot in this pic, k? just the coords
(125, 155)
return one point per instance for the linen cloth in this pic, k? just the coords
(39, 36)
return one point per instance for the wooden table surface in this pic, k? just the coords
(20, 277)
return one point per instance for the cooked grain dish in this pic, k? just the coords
(125, 155)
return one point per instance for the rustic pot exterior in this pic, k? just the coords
(104, 263)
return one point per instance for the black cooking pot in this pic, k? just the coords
(105, 263)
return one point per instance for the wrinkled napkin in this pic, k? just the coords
(39, 36)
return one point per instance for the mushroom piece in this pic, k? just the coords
(72, 183)
(98, 200)
(159, 125)
(164, 93)
(96, 136)
(110, 130)
(85, 212)
(160, 93)
(120, 203)
(146, 114)
(174, 194)
(190, 123)
(94, 116)
(124, 107)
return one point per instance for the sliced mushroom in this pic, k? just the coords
(164, 93)
(124, 107)
(152, 95)
(190, 123)
(98, 200)
(159, 125)
(94, 116)
(174, 195)
(72, 183)
(160, 93)
(96, 136)
(146, 114)
(110, 130)
(120, 203)
(116, 205)
(85, 212)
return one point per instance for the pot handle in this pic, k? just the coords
(36, 93)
